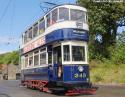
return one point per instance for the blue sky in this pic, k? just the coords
(19, 15)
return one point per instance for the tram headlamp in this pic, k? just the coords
(80, 68)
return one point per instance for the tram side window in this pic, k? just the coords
(78, 53)
(66, 53)
(63, 14)
(25, 37)
(43, 58)
(35, 30)
(22, 39)
(30, 34)
(48, 20)
(77, 15)
(30, 59)
(36, 58)
(26, 60)
(54, 16)
(22, 62)
(42, 26)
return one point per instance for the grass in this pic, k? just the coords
(107, 72)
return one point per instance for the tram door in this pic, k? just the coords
(57, 61)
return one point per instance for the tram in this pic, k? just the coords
(54, 52)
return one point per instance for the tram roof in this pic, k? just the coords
(72, 6)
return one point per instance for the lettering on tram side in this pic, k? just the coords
(35, 44)
(81, 75)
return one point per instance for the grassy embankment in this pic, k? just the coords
(107, 72)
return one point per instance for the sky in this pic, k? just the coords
(16, 16)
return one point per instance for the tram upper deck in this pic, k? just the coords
(67, 17)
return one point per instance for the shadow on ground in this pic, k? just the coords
(4, 95)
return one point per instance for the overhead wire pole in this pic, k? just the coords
(47, 8)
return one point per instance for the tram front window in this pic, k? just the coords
(78, 53)
(63, 14)
(66, 53)
(77, 15)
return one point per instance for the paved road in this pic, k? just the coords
(12, 89)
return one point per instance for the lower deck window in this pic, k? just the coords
(30, 61)
(26, 61)
(36, 60)
(78, 53)
(43, 58)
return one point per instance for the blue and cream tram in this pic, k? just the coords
(54, 52)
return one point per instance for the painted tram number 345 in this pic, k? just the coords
(54, 52)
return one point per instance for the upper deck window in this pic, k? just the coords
(35, 30)
(30, 34)
(25, 37)
(42, 26)
(77, 15)
(63, 14)
(54, 16)
(48, 20)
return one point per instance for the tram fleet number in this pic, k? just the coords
(79, 75)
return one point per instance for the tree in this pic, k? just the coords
(118, 54)
(10, 58)
(103, 21)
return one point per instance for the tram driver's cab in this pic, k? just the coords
(66, 57)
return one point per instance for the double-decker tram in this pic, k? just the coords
(54, 52)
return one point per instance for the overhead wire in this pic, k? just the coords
(28, 23)
(11, 38)
(5, 10)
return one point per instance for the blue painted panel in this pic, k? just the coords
(72, 73)
(67, 34)
(40, 73)
(53, 72)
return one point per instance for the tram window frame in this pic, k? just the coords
(54, 16)
(74, 15)
(42, 26)
(22, 60)
(48, 20)
(76, 57)
(35, 30)
(36, 58)
(67, 54)
(30, 56)
(25, 37)
(50, 57)
(30, 34)
(26, 61)
(43, 58)
(63, 14)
